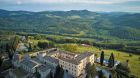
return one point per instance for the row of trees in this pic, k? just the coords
(45, 45)
(118, 46)
(120, 71)
(91, 69)
(111, 60)
(40, 45)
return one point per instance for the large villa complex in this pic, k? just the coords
(44, 62)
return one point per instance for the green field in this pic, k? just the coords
(36, 41)
(134, 61)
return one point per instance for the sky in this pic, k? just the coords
(65, 5)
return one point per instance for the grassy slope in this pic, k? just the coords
(119, 55)
(36, 41)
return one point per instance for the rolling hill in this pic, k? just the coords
(81, 23)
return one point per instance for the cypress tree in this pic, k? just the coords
(10, 54)
(61, 73)
(88, 69)
(38, 75)
(110, 76)
(30, 47)
(101, 74)
(102, 58)
(93, 70)
(86, 76)
(57, 71)
(15, 44)
(51, 74)
(111, 61)
(1, 60)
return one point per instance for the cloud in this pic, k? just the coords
(72, 1)
(129, 3)
(58, 1)
(19, 2)
(64, 1)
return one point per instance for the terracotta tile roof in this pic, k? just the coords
(77, 59)
(83, 55)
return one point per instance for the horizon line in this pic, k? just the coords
(73, 10)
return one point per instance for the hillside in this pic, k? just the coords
(80, 23)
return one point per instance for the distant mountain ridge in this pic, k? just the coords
(83, 23)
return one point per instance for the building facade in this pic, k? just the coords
(43, 70)
(76, 65)
(29, 65)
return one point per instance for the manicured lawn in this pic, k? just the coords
(36, 41)
(134, 62)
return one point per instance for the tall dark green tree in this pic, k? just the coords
(26, 36)
(87, 76)
(8, 50)
(123, 70)
(91, 70)
(51, 75)
(14, 44)
(101, 74)
(110, 76)
(1, 60)
(43, 45)
(88, 68)
(59, 73)
(111, 61)
(38, 75)
(102, 58)
(30, 47)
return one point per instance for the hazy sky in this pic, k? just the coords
(92, 5)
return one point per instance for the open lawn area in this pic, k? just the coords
(134, 60)
(36, 41)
